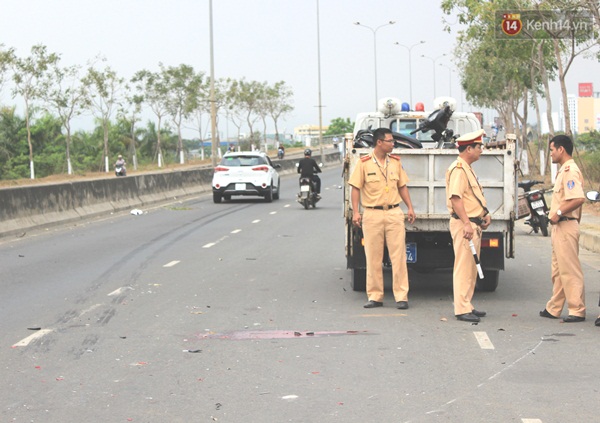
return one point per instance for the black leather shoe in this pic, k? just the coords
(402, 305)
(373, 304)
(478, 313)
(573, 319)
(597, 323)
(544, 313)
(468, 317)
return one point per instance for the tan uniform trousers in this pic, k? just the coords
(567, 277)
(379, 227)
(464, 276)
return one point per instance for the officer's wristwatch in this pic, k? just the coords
(558, 212)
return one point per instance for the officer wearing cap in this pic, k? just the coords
(564, 215)
(469, 216)
(379, 182)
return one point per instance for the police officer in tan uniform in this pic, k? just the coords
(379, 182)
(469, 216)
(564, 216)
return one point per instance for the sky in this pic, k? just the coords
(264, 40)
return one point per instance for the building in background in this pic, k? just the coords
(588, 107)
(303, 131)
(572, 105)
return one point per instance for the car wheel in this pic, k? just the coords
(269, 195)
(216, 197)
(276, 193)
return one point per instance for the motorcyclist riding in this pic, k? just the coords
(308, 168)
(121, 163)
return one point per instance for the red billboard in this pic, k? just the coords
(586, 89)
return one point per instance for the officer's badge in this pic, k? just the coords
(571, 184)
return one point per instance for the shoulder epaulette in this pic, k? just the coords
(394, 156)
(458, 164)
(365, 158)
(567, 168)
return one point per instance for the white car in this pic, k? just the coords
(246, 173)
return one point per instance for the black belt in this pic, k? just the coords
(477, 220)
(384, 207)
(563, 218)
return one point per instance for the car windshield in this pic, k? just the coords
(242, 161)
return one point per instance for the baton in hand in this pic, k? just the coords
(479, 270)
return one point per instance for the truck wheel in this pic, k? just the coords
(490, 281)
(543, 225)
(358, 282)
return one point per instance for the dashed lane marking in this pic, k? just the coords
(236, 231)
(26, 341)
(171, 263)
(120, 290)
(484, 340)
(273, 212)
(210, 244)
(256, 221)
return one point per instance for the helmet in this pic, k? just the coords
(308, 152)
(119, 156)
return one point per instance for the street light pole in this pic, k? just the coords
(433, 60)
(409, 66)
(449, 79)
(319, 71)
(374, 31)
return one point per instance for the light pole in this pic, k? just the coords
(409, 66)
(319, 71)
(433, 60)
(449, 79)
(374, 31)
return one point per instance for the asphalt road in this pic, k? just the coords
(242, 312)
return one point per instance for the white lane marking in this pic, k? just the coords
(273, 212)
(236, 231)
(172, 263)
(24, 342)
(287, 205)
(120, 290)
(484, 340)
(210, 244)
(256, 221)
(531, 421)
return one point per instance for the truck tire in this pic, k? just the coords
(490, 281)
(358, 282)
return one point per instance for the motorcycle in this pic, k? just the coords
(120, 171)
(280, 153)
(308, 195)
(533, 204)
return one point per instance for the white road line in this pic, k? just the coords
(287, 205)
(210, 244)
(33, 336)
(531, 421)
(484, 341)
(120, 290)
(171, 263)
(236, 231)
(256, 221)
(273, 212)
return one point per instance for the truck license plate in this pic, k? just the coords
(411, 252)
(240, 187)
(537, 204)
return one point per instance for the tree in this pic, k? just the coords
(131, 113)
(278, 103)
(153, 88)
(28, 72)
(339, 126)
(65, 94)
(182, 96)
(104, 89)
(246, 97)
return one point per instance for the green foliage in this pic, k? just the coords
(589, 141)
(339, 126)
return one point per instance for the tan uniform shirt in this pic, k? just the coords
(379, 182)
(462, 182)
(568, 185)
